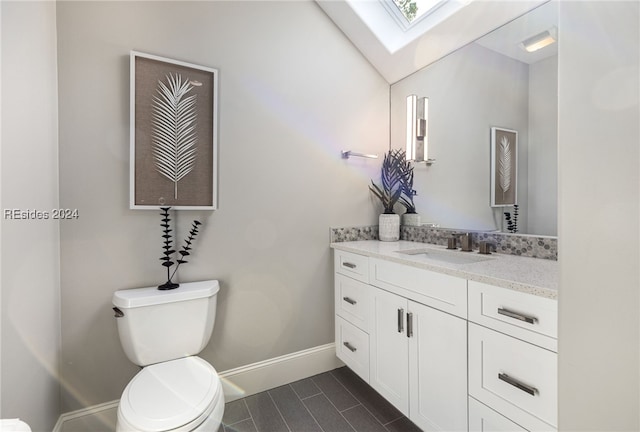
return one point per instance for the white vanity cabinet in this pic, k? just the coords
(418, 357)
(417, 352)
(352, 307)
(512, 359)
(451, 353)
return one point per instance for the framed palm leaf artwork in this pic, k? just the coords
(504, 167)
(173, 134)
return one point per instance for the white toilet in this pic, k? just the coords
(163, 331)
(13, 425)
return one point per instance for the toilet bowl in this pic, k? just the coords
(163, 331)
(179, 395)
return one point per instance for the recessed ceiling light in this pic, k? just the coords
(541, 40)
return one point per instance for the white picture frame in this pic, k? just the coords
(504, 167)
(173, 134)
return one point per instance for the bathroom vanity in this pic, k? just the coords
(455, 340)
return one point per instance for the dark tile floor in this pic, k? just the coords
(335, 401)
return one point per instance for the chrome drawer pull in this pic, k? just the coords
(349, 300)
(349, 265)
(518, 316)
(400, 321)
(514, 382)
(350, 347)
(409, 324)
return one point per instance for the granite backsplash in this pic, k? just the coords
(532, 246)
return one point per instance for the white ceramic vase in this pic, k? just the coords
(389, 227)
(411, 219)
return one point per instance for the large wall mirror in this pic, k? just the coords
(492, 82)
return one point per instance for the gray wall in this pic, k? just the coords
(599, 192)
(469, 91)
(30, 312)
(293, 93)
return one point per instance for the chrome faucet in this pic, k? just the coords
(486, 247)
(466, 241)
(452, 243)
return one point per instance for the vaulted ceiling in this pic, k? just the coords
(397, 52)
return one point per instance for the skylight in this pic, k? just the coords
(411, 11)
(391, 26)
(397, 50)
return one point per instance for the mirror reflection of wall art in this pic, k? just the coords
(504, 167)
(173, 134)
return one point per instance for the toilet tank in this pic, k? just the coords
(157, 326)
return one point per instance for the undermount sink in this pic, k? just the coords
(446, 256)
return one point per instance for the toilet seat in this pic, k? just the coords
(174, 395)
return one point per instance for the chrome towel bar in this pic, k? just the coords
(346, 154)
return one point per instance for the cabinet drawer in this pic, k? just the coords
(525, 316)
(353, 265)
(352, 301)
(513, 377)
(484, 419)
(352, 347)
(443, 292)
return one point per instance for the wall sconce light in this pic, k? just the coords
(417, 129)
(541, 40)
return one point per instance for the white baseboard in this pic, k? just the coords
(92, 411)
(258, 377)
(248, 380)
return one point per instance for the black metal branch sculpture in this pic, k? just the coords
(168, 251)
(512, 222)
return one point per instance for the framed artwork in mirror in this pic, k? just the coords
(173, 134)
(504, 167)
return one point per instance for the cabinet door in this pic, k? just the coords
(352, 301)
(515, 378)
(437, 369)
(389, 348)
(352, 347)
(484, 419)
(524, 316)
(353, 265)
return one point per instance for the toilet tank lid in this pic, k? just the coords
(138, 297)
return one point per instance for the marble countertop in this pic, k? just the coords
(534, 276)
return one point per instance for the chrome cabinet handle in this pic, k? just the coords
(350, 347)
(409, 324)
(518, 316)
(349, 300)
(400, 320)
(349, 265)
(517, 384)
